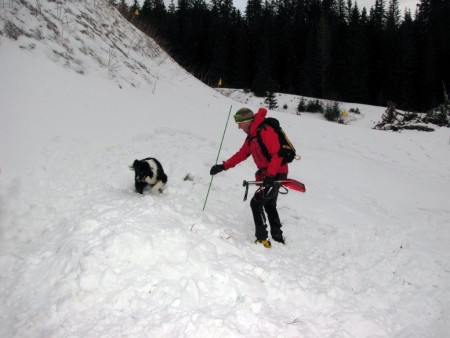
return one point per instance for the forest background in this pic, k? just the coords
(328, 49)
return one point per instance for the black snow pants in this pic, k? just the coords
(260, 203)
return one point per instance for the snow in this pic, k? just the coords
(83, 94)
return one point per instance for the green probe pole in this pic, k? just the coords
(220, 148)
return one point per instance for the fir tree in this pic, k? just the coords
(343, 52)
(271, 100)
(301, 107)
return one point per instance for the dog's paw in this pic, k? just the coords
(158, 187)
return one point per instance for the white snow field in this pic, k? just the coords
(83, 94)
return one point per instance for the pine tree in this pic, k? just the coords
(301, 107)
(123, 7)
(391, 53)
(343, 53)
(271, 100)
(408, 63)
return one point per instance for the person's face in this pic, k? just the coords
(245, 126)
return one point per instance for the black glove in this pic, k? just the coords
(269, 182)
(268, 186)
(215, 169)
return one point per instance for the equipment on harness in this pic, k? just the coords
(288, 183)
(287, 150)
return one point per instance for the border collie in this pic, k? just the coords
(148, 172)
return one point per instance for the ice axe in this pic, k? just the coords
(288, 183)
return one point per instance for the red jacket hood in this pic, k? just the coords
(257, 120)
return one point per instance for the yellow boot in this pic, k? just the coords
(264, 242)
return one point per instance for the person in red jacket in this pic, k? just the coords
(269, 171)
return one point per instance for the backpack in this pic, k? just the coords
(287, 150)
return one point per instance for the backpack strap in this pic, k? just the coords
(263, 147)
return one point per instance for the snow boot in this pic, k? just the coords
(264, 242)
(278, 238)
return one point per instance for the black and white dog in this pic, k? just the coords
(148, 171)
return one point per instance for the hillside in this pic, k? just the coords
(83, 94)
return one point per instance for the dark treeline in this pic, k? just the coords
(328, 49)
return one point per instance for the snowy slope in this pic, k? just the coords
(83, 94)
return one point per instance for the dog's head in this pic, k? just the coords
(142, 170)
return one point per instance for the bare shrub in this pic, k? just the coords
(12, 31)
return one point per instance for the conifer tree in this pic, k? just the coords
(123, 7)
(271, 100)
(408, 63)
(392, 53)
(320, 48)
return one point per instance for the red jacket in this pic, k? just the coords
(251, 147)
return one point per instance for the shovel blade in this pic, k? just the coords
(294, 185)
